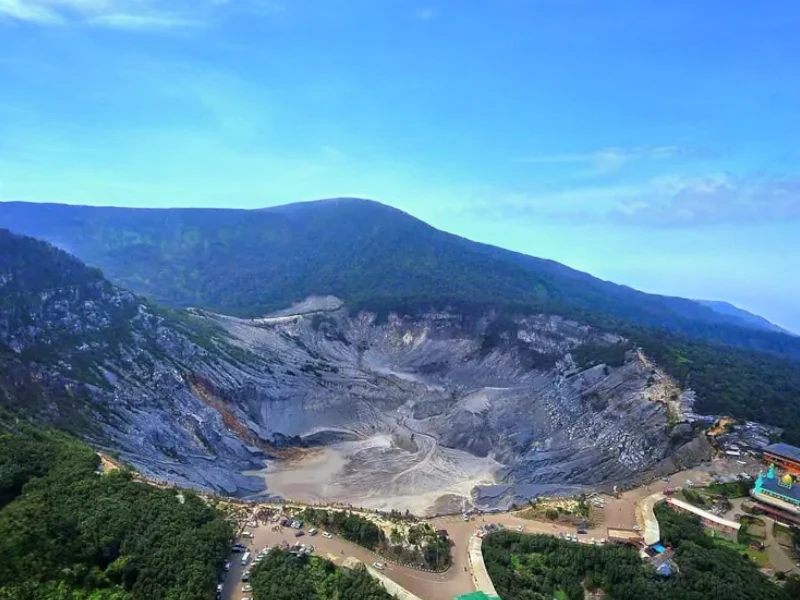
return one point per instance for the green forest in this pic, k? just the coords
(68, 532)
(541, 567)
(283, 576)
(421, 546)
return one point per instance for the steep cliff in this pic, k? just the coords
(400, 409)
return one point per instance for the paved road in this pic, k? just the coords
(619, 512)
(430, 586)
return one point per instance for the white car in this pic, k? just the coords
(327, 535)
(247, 588)
(312, 531)
(379, 565)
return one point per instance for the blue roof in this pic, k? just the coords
(664, 569)
(659, 548)
(773, 486)
(784, 451)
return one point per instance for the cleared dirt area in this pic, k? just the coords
(381, 472)
(318, 476)
(431, 586)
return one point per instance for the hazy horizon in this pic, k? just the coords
(650, 144)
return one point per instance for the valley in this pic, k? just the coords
(416, 414)
(431, 412)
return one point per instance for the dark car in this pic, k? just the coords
(298, 533)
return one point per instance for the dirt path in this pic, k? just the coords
(779, 557)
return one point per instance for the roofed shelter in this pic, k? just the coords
(784, 457)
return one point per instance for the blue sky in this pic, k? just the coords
(651, 143)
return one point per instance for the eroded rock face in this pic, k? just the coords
(408, 410)
(416, 408)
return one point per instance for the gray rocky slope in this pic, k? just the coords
(490, 408)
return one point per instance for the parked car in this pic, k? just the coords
(312, 531)
(327, 534)
(246, 576)
(299, 533)
(227, 566)
(379, 565)
(247, 588)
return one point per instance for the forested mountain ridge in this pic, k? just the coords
(250, 262)
(749, 319)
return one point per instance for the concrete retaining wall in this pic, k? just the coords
(393, 588)
(480, 577)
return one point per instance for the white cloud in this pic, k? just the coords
(427, 14)
(606, 160)
(121, 14)
(660, 202)
(28, 10)
(132, 21)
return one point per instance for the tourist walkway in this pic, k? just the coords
(646, 518)
(480, 576)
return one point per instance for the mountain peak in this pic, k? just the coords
(251, 263)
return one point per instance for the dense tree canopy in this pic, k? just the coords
(538, 567)
(67, 532)
(283, 576)
(422, 545)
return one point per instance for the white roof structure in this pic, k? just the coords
(703, 514)
(646, 518)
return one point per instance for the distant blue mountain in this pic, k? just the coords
(747, 319)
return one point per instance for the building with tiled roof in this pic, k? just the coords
(783, 456)
(778, 495)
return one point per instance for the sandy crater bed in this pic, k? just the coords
(381, 472)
